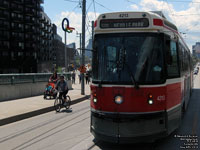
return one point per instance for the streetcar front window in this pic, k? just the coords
(116, 56)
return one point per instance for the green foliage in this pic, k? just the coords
(59, 69)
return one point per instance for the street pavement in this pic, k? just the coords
(15, 110)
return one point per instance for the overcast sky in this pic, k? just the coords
(185, 14)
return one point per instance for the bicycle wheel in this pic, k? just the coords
(57, 104)
(68, 102)
(45, 96)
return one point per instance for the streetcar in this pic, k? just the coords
(142, 77)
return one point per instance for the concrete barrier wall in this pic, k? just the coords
(16, 91)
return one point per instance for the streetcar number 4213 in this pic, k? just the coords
(123, 15)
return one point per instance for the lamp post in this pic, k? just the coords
(83, 45)
(79, 35)
(66, 29)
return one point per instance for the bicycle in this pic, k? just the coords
(59, 103)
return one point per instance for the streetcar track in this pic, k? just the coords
(14, 135)
(78, 142)
(64, 140)
(40, 139)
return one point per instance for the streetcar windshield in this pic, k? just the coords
(116, 55)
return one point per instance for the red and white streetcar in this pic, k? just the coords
(142, 77)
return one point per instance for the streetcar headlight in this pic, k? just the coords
(118, 99)
(150, 99)
(95, 100)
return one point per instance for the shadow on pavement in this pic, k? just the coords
(66, 110)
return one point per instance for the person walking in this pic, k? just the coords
(79, 75)
(87, 78)
(73, 77)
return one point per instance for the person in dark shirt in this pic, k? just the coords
(62, 87)
(73, 77)
(86, 78)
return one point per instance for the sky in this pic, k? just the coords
(185, 14)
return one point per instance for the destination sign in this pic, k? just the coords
(124, 23)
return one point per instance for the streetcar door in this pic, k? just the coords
(173, 86)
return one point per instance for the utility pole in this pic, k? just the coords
(92, 39)
(66, 28)
(80, 36)
(83, 46)
(92, 33)
(66, 68)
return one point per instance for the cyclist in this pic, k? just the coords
(62, 87)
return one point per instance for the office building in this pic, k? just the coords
(196, 50)
(24, 35)
(58, 51)
(29, 42)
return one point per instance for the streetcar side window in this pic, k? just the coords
(186, 61)
(172, 59)
(181, 59)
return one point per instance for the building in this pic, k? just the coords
(196, 50)
(28, 40)
(88, 51)
(45, 50)
(19, 35)
(58, 51)
(25, 37)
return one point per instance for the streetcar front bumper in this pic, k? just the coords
(128, 128)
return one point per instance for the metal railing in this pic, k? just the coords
(28, 78)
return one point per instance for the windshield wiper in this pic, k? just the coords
(132, 77)
(123, 62)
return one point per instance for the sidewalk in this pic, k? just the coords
(15, 110)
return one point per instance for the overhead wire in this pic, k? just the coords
(131, 2)
(102, 5)
(187, 15)
(77, 6)
(183, 2)
(73, 10)
(169, 8)
(72, 1)
(87, 25)
(94, 8)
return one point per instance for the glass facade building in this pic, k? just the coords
(25, 36)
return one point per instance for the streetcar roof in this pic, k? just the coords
(156, 19)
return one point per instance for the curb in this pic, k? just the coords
(36, 112)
